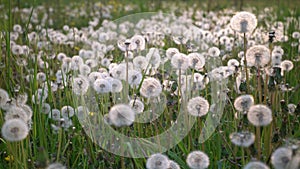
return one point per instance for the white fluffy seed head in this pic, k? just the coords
(14, 130)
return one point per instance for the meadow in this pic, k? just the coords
(150, 84)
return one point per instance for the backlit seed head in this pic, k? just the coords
(243, 139)
(197, 160)
(281, 157)
(157, 161)
(14, 130)
(243, 22)
(258, 56)
(198, 106)
(259, 115)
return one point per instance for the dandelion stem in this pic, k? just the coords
(245, 62)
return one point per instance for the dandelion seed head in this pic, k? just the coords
(243, 139)
(4, 97)
(80, 85)
(256, 165)
(16, 113)
(136, 105)
(14, 130)
(258, 56)
(173, 165)
(56, 166)
(198, 106)
(121, 115)
(287, 65)
(54, 114)
(214, 52)
(67, 112)
(243, 102)
(102, 86)
(259, 115)
(281, 157)
(196, 61)
(197, 160)
(243, 22)
(151, 87)
(157, 161)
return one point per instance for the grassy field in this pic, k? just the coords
(61, 63)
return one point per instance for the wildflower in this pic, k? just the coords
(151, 87)
(180, 61)
(259, 115)
(197, 160)
(105, 62)
(80, 85)
(56, 166)
(243, 22)
(243, 103)
(214, 52)
(16, 113)
(94, 76)
(4, 97)
(256, 165)
(258, 56)
(14, 130)
(198, 106)
(157, 161)
(67, 112)
(243, 139)
(54, 114)
(196, 61)
(121, 115)
(136, 105)
(281, 157)
(102, 86)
